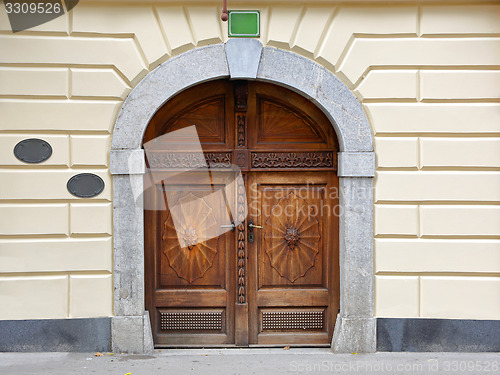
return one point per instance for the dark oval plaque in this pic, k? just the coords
(33, 150)
(85, 185)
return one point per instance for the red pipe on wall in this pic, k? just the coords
(224, 15)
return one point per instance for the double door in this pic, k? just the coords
(245, 255)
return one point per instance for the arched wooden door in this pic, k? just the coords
(274, 280)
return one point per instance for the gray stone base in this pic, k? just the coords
(132, 334)
(354, 335)
(56, 335)
(438, 335)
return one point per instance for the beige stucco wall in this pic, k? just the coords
(428, 76)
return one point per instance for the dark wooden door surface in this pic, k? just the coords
(274, 279)
(292, 297)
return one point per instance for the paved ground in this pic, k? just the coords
(249, 361)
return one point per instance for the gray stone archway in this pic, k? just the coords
(245, 59)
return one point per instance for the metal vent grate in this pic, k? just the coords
(292, 320)
(190, 321)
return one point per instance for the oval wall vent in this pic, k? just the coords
(33, 150)
(85, 185)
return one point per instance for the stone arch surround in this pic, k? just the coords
(355, 328)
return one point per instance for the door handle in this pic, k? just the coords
(232, 226)
(251, 226)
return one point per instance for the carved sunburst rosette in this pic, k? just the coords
(292, 236)
(190, 237)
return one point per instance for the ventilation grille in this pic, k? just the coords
(292, 320)
(190, 321)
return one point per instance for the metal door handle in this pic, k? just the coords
(232, 226)
(251, 225)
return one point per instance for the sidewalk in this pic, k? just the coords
(249, 361)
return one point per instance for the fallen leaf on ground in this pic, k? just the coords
(98, 354)
(286, 347)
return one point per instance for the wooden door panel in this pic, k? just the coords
(290, 297)
(191, 298)
(193, 294)
(202, 264)
(294, 268)
(291, 245)
(208, 117)
(276, 120)
(209, 107)
(281, 119)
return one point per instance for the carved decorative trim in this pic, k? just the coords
(190, 237)
(190, 160)
(241, 95)
(242, 158)
(318, 159)
(293, 239)
(241, 130)
(241, 241)
(190, 321)
(292, 320)
(188, 253)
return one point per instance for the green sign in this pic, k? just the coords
(244, 23)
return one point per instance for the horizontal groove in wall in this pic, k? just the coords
(59, 34)
(364, 74)
(355, 85)
(59, 132)
(97, 97)
(89, 34)
(459, 169)
(438, 237)
(54, 101)
(28, 168)
(90, 235)
(461, 101)
(66, 36)
(439, 135)
(80, 167)
(53, 236)
(439, 169)
(397, 236)
(440, 203)
(64, 65)
(388, 100)
(467, 37)
(384, 36)
(55, 273)
(34, 97)
(61, 97)
(32, 236)
(24, 168)
(449, 240)
(470, 35)
(434, 67)
(428, 101)
(444, 274)
(458, 236)
(51, 201)
(403, 169)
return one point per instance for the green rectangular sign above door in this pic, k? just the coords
(244, 23)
